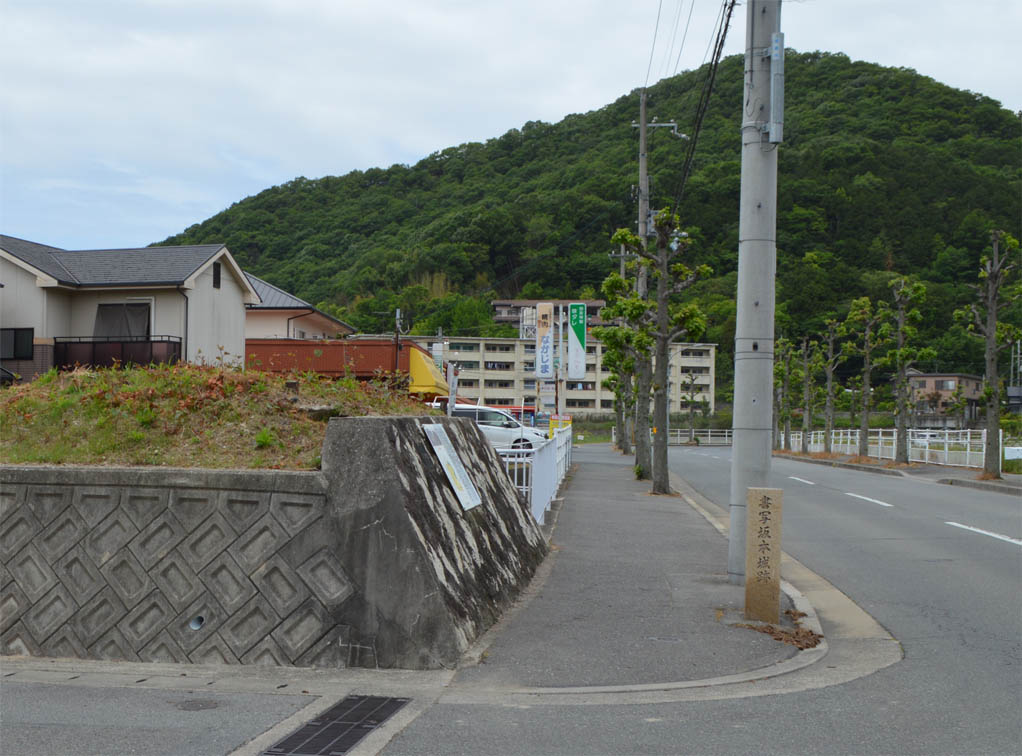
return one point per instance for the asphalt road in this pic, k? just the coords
(950, 593)
(951, 596)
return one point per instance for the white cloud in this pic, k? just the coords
(150, 115)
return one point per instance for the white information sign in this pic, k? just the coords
(545, 340)
(577, 341)
(449, 460)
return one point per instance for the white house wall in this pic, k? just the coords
(167, 310)
(216, 320)
(23, 304)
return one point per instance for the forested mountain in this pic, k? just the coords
(882, 170)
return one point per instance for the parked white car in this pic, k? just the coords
(501, 429)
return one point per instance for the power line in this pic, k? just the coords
(688, 23)
(656, 31)
(704, 98)
(674, 36)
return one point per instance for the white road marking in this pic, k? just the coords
(1015, 541)
(802, 480)
(866, 498)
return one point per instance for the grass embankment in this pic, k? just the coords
(181, 416)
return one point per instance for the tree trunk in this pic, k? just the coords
(901, 391)
(992, 447)
(643, 456)
(807, 398)
(828, 412)
(624, 443)
(867, 369)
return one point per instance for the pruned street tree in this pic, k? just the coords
(998, 286)
(905, 354)
(832, 355)
(870, 329)
(811, 364)
(621, 364)
(784, 352)
(660, 321)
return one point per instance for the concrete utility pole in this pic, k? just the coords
(763, 116)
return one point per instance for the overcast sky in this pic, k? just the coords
(126, 121)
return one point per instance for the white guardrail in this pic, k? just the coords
(680, 436)
(537, 473)
(965, 448)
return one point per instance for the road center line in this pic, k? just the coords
(998, 536)
(802, 480)
(866, 498)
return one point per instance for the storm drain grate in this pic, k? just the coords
(338, 729)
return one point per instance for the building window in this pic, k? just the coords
(216, 275)
(16, 343)
(529, 367)
(468, 364)
(946, 385)
(500, 366)
(695, 353)
(499, 384)
(606, 404)
(580, 385)
(500, 347)
(529, 384)
(468, 383)
(459, 347)
(122, 319)
(580, 403)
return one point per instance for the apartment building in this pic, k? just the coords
(502, 372)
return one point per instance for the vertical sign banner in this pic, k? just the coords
(577, 341)
(545, 340)
(763, 554)
(452, 384)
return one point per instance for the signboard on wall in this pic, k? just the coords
(449, 460)
(577, 341)
(545, 340)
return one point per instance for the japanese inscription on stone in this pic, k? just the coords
(763, 554)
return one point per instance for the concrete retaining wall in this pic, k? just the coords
(369, 563)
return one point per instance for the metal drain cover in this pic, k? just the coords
(338, 729)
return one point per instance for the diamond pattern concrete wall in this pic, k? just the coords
(372, 562)
(184, 568)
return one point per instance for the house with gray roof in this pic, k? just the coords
(101, 306)
(280, 315)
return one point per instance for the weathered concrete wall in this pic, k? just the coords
(371, 562)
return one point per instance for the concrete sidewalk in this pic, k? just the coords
(637, 593)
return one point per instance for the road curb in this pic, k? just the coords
(846, 465)
(982, 485)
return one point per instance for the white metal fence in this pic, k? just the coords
(537, 473)
(679, 436)
(936, 447)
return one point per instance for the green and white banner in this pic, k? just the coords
(576, 341)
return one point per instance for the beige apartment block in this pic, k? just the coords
(502, 372)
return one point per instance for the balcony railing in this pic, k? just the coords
(107, 351)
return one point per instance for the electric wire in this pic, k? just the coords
(727, 9)
(688, 23)
(674, 37)
(656, 31)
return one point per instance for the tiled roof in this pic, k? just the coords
(39, 256)
(113, 267)
(274, 298)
